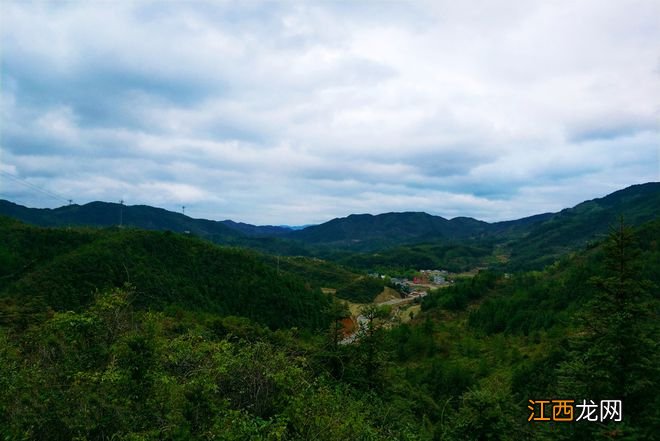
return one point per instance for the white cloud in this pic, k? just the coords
(299, 112)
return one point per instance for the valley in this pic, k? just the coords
(260, 333)
(300, 220)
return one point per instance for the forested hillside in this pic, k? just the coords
(132, 334)
(464, 368)
(106, 214)
(291, 220)
(364, 232)
(63, 268)
(589, 221)
(584, 328)
(452, 256)
(389, 240)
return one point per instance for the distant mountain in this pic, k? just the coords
(573, 228)
(257, 230)
(106, 214)
(529, 242)
(518, 225)
(366, 231)
(296, 227)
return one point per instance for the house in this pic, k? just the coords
(421, 279)
(438, 280)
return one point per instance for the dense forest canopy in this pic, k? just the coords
(61, 269)
(129, 334)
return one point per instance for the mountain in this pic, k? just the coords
(257, 230)
(62, 268)
(518, 225)
(157, 362)
(366, 231)
(531, 242)
(106, 214)
(526, 243)
(589, 221)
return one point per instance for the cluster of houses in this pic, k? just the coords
(434, 277)
(425, 277)
(429, 278)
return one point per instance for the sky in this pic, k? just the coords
(299, 112)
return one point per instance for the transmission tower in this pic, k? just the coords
(121, 213)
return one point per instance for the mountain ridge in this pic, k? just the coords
(531, 240)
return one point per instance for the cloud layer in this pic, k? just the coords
(300, 112)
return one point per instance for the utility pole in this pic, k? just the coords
(121, 213)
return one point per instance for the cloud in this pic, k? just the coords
(282, 112)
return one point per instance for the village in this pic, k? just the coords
(403, 300)
(421, 283)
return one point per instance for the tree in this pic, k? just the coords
(338, 311)
(487, 412)
(371, 321)
(614, 351)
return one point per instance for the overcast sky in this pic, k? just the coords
(298, 112)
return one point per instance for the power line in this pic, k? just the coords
(13, 199)
(35, 187)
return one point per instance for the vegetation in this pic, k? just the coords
(390, 241)
(615, 351)
(586, 223)
(362, 290)
(167, 270)
(316, 272)
(130, 334)
(112, 372)
(364, 232)
(454, 257)
(457, 297)
(585, 328)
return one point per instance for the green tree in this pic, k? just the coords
(614, 351)
(333, 353)
(371, 320)
(484, 413)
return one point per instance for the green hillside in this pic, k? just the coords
(586, 326)
(390, 240)
(453, 256)
(164, 360)
(318, 273)
(364, 232)
(106, 214)
(573, 228)
(62, 269)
